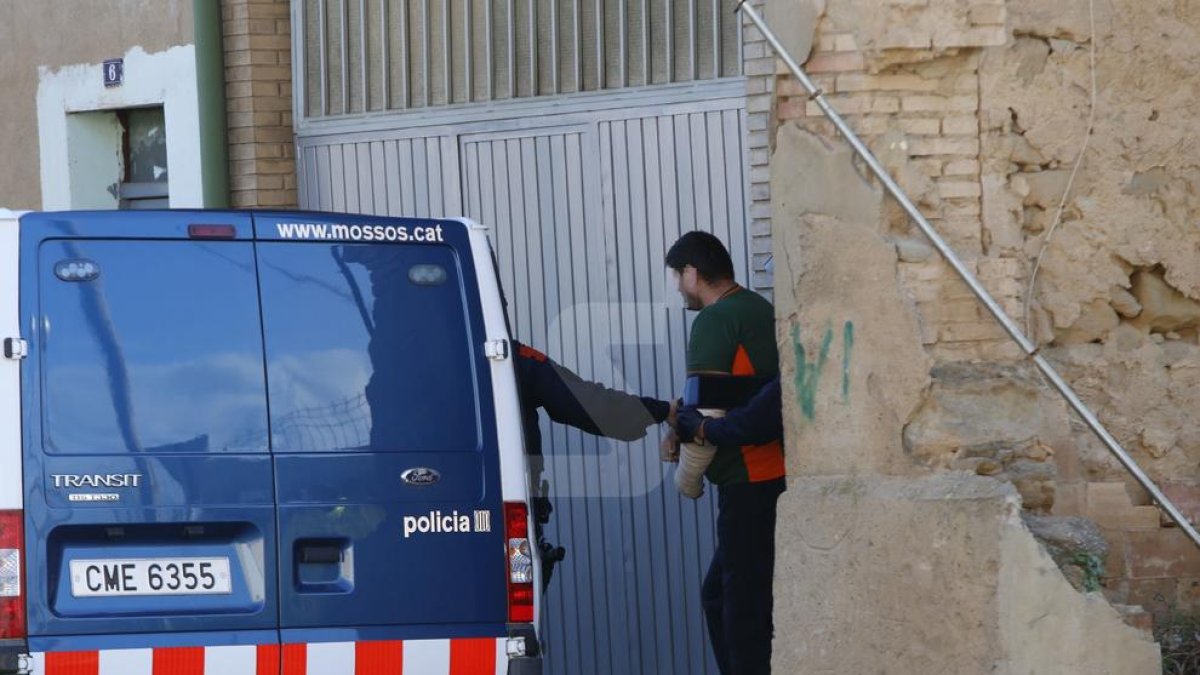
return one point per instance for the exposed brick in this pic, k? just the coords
(845, 43)
(270, 182)
(763, 66)
(902, 82)
(1185, 496)
(956, 351)
(960, 126)
(240, 119)
(1116, 564)
(239, 58)
(835, 62)
(759, 103)
(826, 42)
(950, 189)
(1155, 595)
(241, 135)
(272, 104)
(242, 182)
(269, 73)
(238, 89)
(238, 73)
(275, 166)
(1069, 497)
(268, 57)
(261, 26)
(241, 151)
(790, 86)
(944, 146)
(955, 210)
(277, 198)
(1162, 553)
(268, 10)
(234, 27)
(983, 36)
(273, 135)
(921, 127)
(970, 332)
(963, 103)
(236, 43)
(924, 104)
(929, 167)
(962, 167)
(959, 311)
(1110, 506)
(1000, 268)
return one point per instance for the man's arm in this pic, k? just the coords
(589, 406)
(759, 421)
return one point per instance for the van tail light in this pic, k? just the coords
(12, 581)
(520, 562)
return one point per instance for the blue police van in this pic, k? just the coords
(259, 442)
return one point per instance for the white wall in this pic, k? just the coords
(73, 147)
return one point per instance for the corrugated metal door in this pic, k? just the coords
(582, 210)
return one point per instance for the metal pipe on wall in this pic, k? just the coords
(817, 96)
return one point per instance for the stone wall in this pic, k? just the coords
(980, 110)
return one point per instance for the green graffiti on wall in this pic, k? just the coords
(808, 374)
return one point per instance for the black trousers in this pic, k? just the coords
(737, 592)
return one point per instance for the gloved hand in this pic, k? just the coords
(687, 424)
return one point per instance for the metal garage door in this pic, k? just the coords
(582, 206)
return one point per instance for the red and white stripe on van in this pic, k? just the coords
(466, 656)
(12, 564)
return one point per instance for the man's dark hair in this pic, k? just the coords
(704, 252)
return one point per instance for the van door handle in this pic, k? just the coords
(320, 554)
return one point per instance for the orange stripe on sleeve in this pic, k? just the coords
(764, 462)
(741, 363)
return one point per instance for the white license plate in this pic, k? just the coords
(150, 576)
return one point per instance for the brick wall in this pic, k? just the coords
(904, 97)
(760, 88)
(258, 90)
(911, 88)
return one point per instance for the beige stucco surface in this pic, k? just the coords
(56, 33)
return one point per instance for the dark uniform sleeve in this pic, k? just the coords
(759, 421)
(592, 407)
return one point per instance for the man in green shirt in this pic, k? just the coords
(734, 334)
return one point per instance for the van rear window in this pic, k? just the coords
(368, 348)
(151, 346)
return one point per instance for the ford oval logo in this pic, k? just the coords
(420, 476)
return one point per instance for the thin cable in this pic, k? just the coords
(1087, 139)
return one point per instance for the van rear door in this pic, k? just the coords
(386, 456)
(149, 495)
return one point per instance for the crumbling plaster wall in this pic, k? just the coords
(1115, 302)
(980, 108)
(1116, 296)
